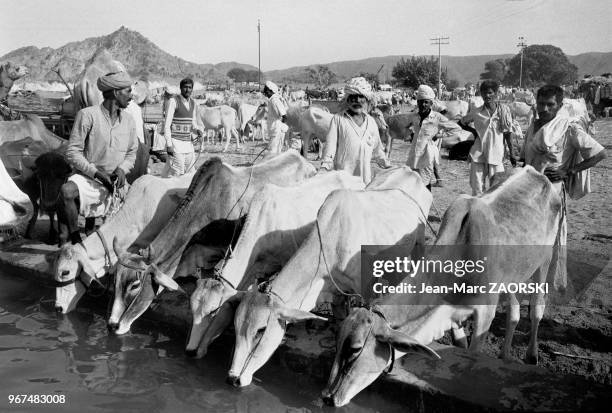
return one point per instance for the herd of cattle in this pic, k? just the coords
(270, 241)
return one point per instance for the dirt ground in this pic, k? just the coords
(573, 338)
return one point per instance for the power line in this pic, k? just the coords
(259, 55)
(440, 41)
(522, 45)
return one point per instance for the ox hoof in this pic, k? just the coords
(59, 309)
(191, 353)
(530, 359)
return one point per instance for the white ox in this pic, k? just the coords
(247, 116)
(517, 223)
(149, 204)
(456, 109)
(309, 122)
(220, 118)
(278, 221)
(384, 214)
(296, 95)
(15, 207)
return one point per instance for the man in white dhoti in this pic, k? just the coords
(426, 123)
(277, 118)
(564, 152)
(102, 149)
(353, 139)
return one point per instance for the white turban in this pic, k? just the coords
(425, 92)
(114, 81)
(358, 86)
(272, 86)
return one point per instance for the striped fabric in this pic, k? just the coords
(182, 121)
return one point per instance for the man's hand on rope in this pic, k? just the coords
(104, 179)
(118, 176)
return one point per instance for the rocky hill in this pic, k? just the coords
(141, 57)
(144, 59)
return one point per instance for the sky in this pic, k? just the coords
(305, 32)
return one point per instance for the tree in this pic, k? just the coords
(542, 64)
(237, 74)
(320, 75)
(495, 70)
(452, 84)
(417, 70)
(253, 76)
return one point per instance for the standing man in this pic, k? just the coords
(102, 149)
(564, 152)
(353, 136)
(181, 122)
(277, 118)
(426, 124)
(493, 122)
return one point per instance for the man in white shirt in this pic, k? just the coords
(353, 139)
(277, 118)
(493, 122)
(181, 122)
(426, 123)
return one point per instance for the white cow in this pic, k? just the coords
(149, 204)
(15, 207)
(392, 211)
(220, 118)
(309, 122)
(517, 223)
(278, 221)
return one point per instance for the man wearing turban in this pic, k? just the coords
(353, 137)
(426, 123)
(277, 118)
(181, 123)
(102, 150)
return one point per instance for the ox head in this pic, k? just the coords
(363, 351)
(260, 114)
(260, 323)
(137, 283)
(73, 274)
(213, 304)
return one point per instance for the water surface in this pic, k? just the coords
(145, 371)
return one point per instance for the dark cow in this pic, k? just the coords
(51, 172)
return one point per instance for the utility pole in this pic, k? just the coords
(439, 41)
(522, 45)
(259, 54)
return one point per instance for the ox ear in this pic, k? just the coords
(165, 281)
(402, 342)
(293, 315)
(87, 270)
(116, 247)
